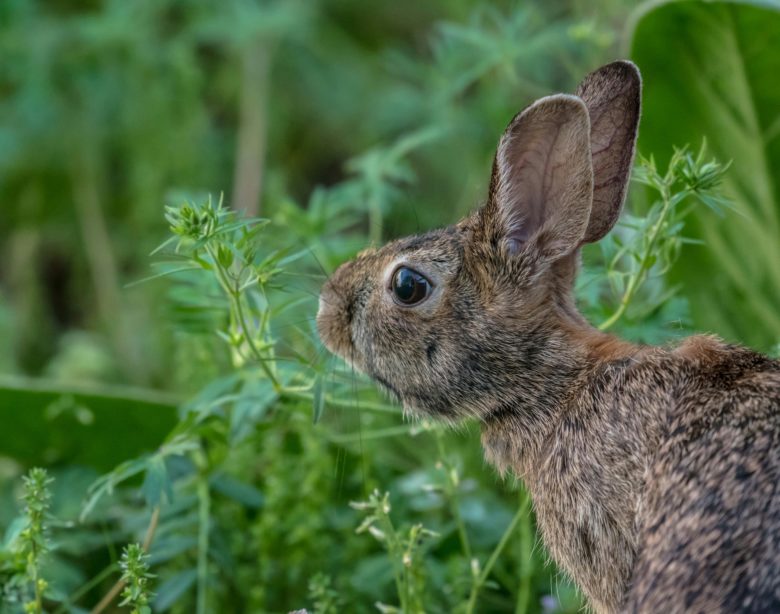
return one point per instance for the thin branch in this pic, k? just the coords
(112, 594)
(482, 577)
(252, 128)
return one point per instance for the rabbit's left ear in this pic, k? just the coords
(612, 94)
(540, 191)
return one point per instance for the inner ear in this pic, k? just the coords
(542, 178)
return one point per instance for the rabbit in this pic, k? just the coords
(653, 471)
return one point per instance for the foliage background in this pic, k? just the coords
(344, 123)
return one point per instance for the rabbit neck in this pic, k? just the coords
(585, 501)
(525, 417)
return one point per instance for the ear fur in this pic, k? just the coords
(540, 192)
(612, 94)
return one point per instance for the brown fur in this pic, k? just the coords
(653, 471)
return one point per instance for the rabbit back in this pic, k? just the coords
(710, 516)
(656, 488)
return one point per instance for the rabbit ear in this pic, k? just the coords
(542, 183)
(612, 95)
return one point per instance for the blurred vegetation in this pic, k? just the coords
(707, 73)
(186, 408)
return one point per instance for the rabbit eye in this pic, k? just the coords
(409, 287)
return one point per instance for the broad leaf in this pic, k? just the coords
(174, 588)
(98, 426)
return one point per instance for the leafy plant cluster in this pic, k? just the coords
(636, 258)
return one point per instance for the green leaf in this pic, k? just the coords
(156, 482)
(244, 493)
(97, 426)
(173, 589)
(13, 531)
(105, 484)
(167, 548)
(213, 395)
(256, 396)
(710, 70)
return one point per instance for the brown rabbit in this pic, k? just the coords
(654, 472)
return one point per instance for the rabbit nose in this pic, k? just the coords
(333, 314)
(335, 291)
(327, 303)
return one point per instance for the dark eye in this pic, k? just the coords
(409, 287)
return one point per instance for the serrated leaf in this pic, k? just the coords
(156, 482)
(173, 589)
(255, 398)
(244, 493)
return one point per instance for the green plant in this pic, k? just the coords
(479, 574)
(324, 597)
(404, 549)
(135, 574)
(238, 275)
(34, 543)
(635, 259)
(25, 548)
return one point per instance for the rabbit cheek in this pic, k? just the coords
(395, 356)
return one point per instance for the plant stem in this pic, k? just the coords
(526, 554)
(252, 128)
(452, 496)
(374, 218)
(36, 583)
(390, 431)
(342, 404)
(109, 597)
(636, 280)
(204, 506)
(100, 257)
(67, 604)
(480, 580)
(233, 293)
(250, 341)
(396, 554)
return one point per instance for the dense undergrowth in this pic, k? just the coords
(242, 503)
(203, 452)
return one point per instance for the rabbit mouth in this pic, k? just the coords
(338, 304)
(337, 341)
(336, 335)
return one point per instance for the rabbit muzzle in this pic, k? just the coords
(335, 313)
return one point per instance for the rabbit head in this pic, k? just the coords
(460, 321)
